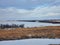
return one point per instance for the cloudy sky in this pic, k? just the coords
(29, 9)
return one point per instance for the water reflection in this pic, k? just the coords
(31, 42)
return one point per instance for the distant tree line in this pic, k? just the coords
(11, 26)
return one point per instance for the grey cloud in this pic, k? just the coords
(39, 12)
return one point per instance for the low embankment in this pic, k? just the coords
(25, 33)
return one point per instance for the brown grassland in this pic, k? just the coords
(25, 33)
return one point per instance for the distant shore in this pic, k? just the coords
(51, 32)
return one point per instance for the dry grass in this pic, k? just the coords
(37, 32)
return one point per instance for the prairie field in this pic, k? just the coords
(34, 32)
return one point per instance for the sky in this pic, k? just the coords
(29, 9)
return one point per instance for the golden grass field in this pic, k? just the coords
(25, 33)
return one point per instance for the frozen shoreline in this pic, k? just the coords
(31, 42)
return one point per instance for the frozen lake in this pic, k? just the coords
(29, 24)
(31, 42)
